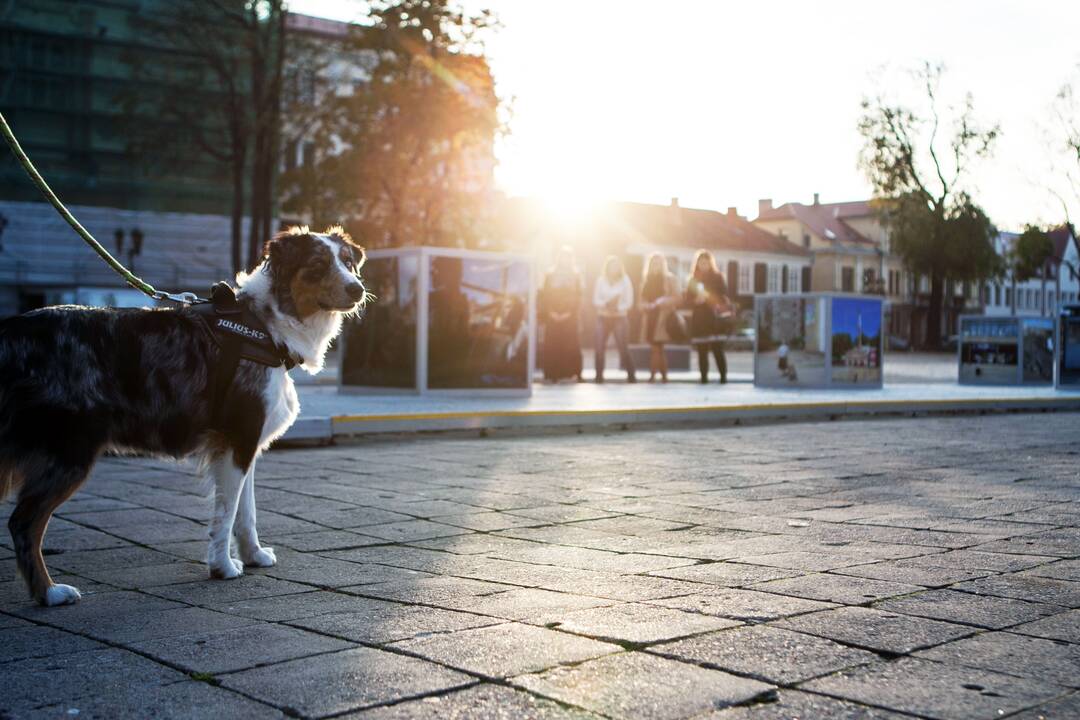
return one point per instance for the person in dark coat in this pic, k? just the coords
(560, 309)
(707, 296)
(659, 296)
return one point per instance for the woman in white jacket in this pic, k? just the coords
(613, 296)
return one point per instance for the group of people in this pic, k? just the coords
(659, 300)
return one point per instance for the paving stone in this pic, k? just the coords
(93, 609)
(1064, 626)
(1058, 709)
(480, 702)
(246, 647)
(506, 650)
(1053, 661)
(380, 622)
(9, 621)
(411, 530)
(169, 573)
(767, 653)
(978, 560)
(283, 608)
(323, 540)
(212, 592)
(98, 673)
(178, 701)
(1062, 570)
(727, 574)
(799, 560)
(343, 681)
(1026, 587)
(961, 607)
(131, 628)
(526, 604)
(936, 690)
(629, 588)
(29, 641)
(748, 605)
(111, 560)
(829, 587)
(430, 591)
(896, 571)
(486, 521)
(796, 705)
(639, 623)
(875, 629)
(331, 573)
(625, 686)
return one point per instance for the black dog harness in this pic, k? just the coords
(239, 335)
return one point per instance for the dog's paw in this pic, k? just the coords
(231, 568)
(61, 595)
(263, 557)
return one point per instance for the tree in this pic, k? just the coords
(414, 156)
(210, 78)
(1066, 135)
(935, 225)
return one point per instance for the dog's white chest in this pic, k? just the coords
(282, 406)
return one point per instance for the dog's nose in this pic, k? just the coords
(356, 291)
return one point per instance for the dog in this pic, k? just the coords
(76, 382)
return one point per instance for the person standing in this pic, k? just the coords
(561, 302)
(658, 298)
(613, 297)
(707, 295)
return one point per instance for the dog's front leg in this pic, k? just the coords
(228, 484)
(247, 537)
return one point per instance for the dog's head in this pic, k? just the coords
(315, 272)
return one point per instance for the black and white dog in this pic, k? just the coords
(75, 382)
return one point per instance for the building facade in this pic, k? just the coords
(67, 67)
(1058, 284)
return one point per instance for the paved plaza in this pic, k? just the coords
(874, 569)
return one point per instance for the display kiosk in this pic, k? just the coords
(443, 321)
(1068, 374)
(818, 340)
(994, 350)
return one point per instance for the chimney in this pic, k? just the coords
(676, 216)
(674, 202)
(817, 198)
(764, 206)
(732, 212)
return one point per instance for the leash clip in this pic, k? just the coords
(184, 298)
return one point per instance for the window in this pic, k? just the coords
(761, 279)
(774, 279)
(793, 280)
(847, 279)
(997, 294)
(1008, 296)
(745, 286)
(986, 295)
(806, 240)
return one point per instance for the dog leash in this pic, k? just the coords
(186, 298)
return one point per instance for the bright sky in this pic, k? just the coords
(723, 103)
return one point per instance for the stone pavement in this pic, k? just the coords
(881, 569)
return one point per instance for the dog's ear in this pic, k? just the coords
(337, 232)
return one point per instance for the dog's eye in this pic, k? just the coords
(347, 261)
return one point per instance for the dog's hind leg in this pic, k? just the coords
(247, 537)
(228, 484)
(44, 488)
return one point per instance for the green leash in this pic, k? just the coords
(112, 262)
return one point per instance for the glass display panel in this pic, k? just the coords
(478, 329)
(1070, 350)
(1038, 341)
(380, 346)
(856, 341)
(791, 342)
